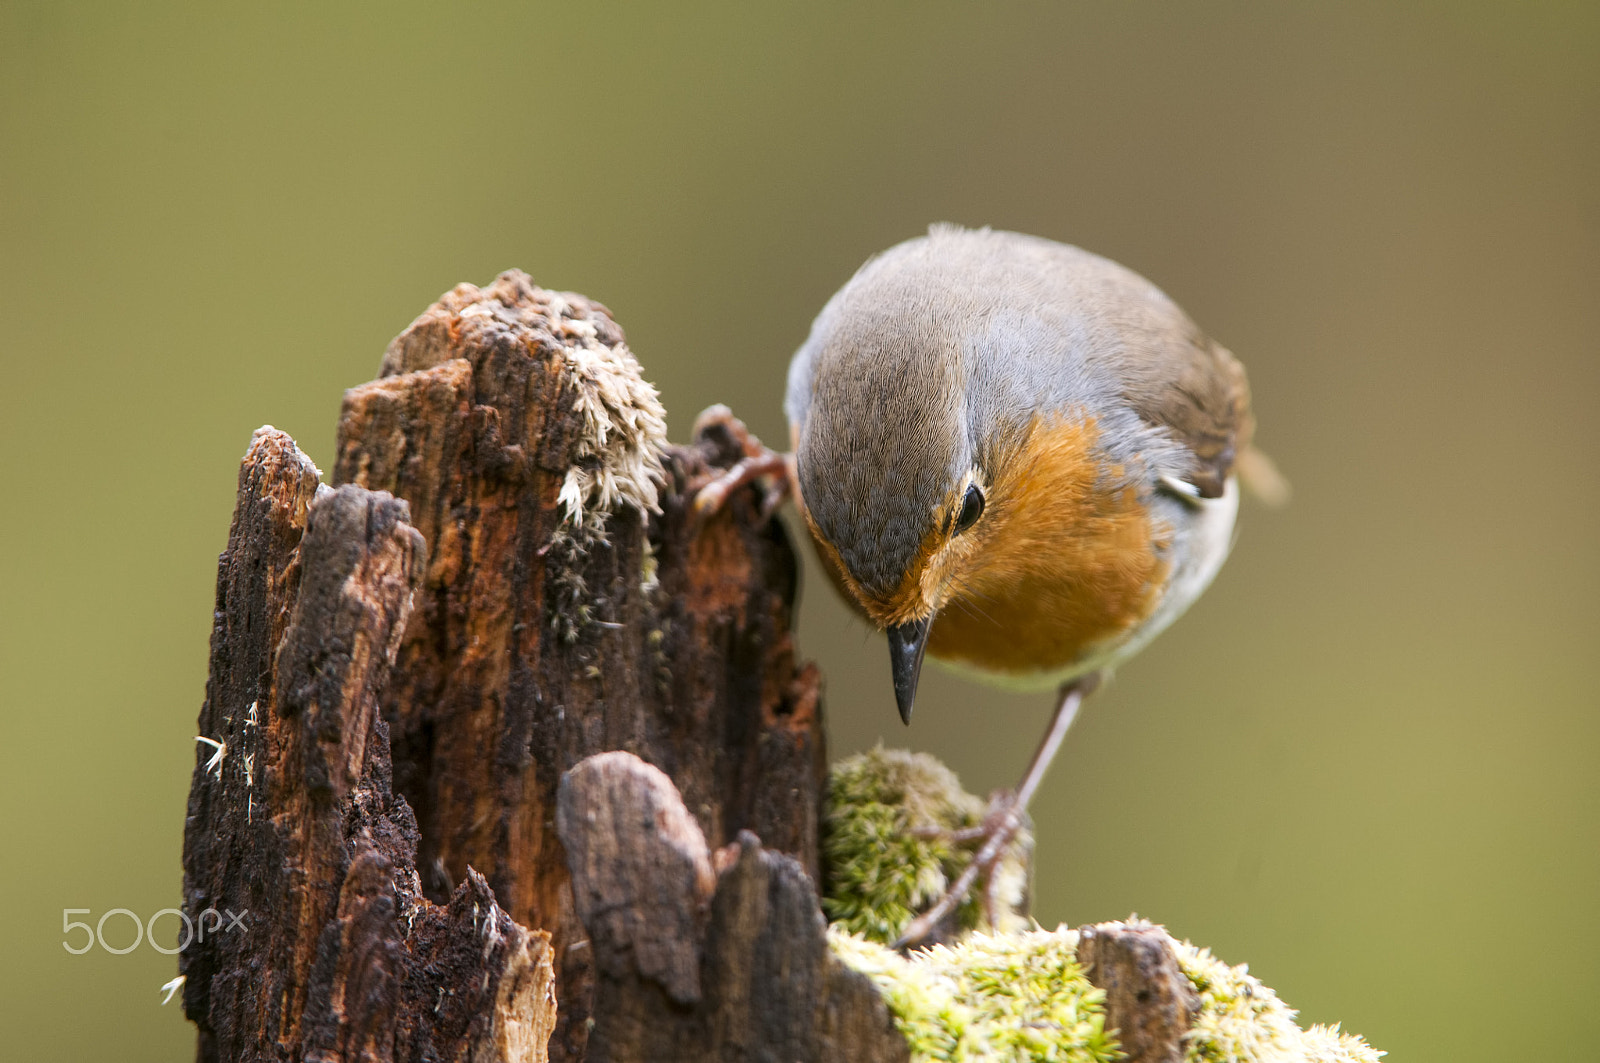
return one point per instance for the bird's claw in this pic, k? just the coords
(998, 830)
(758, 463)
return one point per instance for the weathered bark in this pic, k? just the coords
(445, 604)
(292, 824)
(488, 657)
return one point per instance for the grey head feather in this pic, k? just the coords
(940, 351)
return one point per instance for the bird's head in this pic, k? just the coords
(900, 485)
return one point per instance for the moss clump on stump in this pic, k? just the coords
(1019, 992)
(887, 851)
(991, 997)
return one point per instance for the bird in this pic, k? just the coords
(1016, 457)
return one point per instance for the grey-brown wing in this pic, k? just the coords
(1198, 391)
(1169, 372)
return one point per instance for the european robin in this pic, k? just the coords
(1017, 457)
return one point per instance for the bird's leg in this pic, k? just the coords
(1001, 826)
(758, 463)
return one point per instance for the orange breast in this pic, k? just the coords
(1062, 566)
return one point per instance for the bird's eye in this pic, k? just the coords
(971, 509)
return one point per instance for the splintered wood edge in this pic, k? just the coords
(1149, 1000)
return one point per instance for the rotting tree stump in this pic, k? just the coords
(508, 756)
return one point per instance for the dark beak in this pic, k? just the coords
(906, 645)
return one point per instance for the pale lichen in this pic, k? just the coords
(888, 851)
(616, 461)
(618, 458)
(1329, 1044)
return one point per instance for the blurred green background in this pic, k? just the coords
(1365, 763)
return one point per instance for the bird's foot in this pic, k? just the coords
(758, 463)
(1004, 819)
(992, 838)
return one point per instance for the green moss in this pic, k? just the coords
(1242, 1021)
(1022, 996)
(886, 849)
(991, 997)
(1017, 994)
